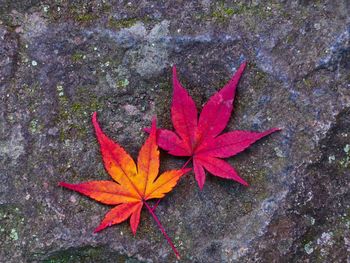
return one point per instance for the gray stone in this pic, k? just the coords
(62, 60)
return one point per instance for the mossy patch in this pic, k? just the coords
(222, 12)
(78, 56)
(33, 94)
(87, 254)
(86, 17)
(307, 82)
(74, 114)
(163, 102)
(259, 180)
(345, 162)
(82, 13)
(260, 78)
(11, 221)
(35, 126)
(118, 24)
(123, 83)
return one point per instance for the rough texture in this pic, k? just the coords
(62, 60)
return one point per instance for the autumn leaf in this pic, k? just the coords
(133, 186)
(199, 138)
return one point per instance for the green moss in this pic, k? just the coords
(7, 19)
(308, 237)
(338, 232)
(76, 107)
(260, 77)
(106, 8)
(86, 17)
(166, 86)
(163, 102)
(63, 105)
(222, 13)
(35, 126)
(121, 23)
(122, 83)
(12, 222)
(289, 39)
(259, 179)
(76, 57)
(87, 254)
(118, 24)
(32, 93)
(73, 116)
(307, 83)
(247, 207)
(82, 12)
(345, 162)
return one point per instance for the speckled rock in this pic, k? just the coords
(62, 60)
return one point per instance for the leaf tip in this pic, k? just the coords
(244, 64)
(94, 117)
(153, 129)
(273, 130)
(94, 121)
(98, 229)
(133, 231)
(200, 183)
(154, 121)
(240, 70)
(63, 184)
(174, 70)
(176, 83)
(241, 181)
(244, 183)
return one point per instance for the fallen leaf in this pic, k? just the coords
(199, 138)
(133, 186)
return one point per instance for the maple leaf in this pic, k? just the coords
(199, 138)
(133, 185)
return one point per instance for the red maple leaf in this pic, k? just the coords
(133, 186)
(199, 138)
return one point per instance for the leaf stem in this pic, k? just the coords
(154, 207)
(162, 230)
(184, 166)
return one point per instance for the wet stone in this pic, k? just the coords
(62, 60)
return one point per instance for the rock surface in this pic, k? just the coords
(62, 60)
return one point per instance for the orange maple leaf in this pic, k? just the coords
(134, 184)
